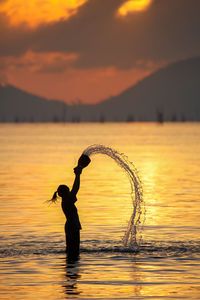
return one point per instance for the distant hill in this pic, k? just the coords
(169, 94)
(173, 91)
(19, 106)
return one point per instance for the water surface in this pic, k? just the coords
(36, 158)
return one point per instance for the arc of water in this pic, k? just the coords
(132, 236)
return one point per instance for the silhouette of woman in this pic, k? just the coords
(72, 225)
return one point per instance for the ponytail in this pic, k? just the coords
(54, 198)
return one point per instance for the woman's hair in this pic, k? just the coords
(54, 198)
(61, 191)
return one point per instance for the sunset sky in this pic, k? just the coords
(88, 50)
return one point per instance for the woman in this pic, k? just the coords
(72, 225)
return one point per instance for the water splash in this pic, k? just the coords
(132, 236)
(44, 247)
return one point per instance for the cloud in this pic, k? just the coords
(36, 12)
(14, 40)
(167, 30)
(37, 62)
(131, 6)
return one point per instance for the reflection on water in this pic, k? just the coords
(72, 275)
(36, 158)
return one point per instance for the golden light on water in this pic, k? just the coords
(36, 12)
(133, 6)
(36, 158)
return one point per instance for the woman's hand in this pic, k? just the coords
(78, 170)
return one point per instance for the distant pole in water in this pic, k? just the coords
(132, 235)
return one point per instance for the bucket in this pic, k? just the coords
(83, 161)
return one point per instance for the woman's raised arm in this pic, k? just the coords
(76, 184)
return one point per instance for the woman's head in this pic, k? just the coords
(63, 190)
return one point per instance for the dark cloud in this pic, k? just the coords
(57, 64)
(14, 41)
(168, 30)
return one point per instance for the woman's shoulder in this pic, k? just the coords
(70, 198)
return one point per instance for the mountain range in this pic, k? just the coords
(170, 94)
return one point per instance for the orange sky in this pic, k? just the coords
(86, 50)
(72, 86)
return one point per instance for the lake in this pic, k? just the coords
(36, 158)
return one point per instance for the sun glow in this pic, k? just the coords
(133, 6)
(36, 12)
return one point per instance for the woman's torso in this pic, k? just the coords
(71, 212)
